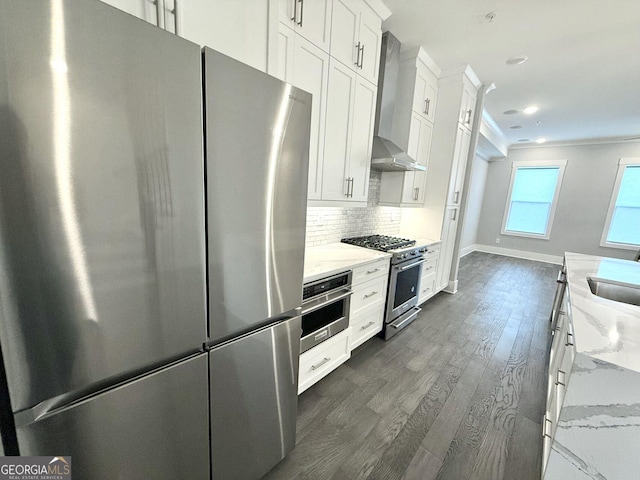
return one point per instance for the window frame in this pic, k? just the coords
(560, 164)
(623, 163)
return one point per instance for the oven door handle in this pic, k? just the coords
(406, 267)
(330, 298)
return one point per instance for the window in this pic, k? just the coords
(533, 195)
(622, 226)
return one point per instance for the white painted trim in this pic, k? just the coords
(573, 143)
(467, 250)
(379, 8)
(419, 54)
(508, 252)
(452, 287)
(561, 164)
(623, 163)
(467, 70)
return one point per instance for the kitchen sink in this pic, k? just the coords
(619, 292)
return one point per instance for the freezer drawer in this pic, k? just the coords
(254, 401)
(155, 427)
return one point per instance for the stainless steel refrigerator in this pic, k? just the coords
(108, 353)
(257, 144)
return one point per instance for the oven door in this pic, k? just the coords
(323, 317)
(404, 285)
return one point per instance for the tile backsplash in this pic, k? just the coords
(330, 224)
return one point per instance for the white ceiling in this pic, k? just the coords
(583, 69)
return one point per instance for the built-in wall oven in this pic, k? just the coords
(325, 309)
(407, 257)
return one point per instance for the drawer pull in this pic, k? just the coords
(558, 382)
(428, 268)
(370, 294)
(323, 333)
(369, 272)
(569, 340)
(322, 362)
(364, 327)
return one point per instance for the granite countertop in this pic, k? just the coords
(598, 433)
(324, 260)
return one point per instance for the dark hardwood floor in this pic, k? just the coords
(459, 394)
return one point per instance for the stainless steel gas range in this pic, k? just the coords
(404, 278)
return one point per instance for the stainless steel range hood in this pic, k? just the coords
(385, 154)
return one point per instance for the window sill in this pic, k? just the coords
(526, 235)
(620, 246)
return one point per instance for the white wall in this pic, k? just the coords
(582, 206)
(477, 181)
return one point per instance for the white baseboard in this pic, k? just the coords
(468, 250)
(508, 252)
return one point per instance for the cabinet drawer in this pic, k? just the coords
(366, 325)
(432, 252)
(323, 359)
(379, 268)
(365, 295)
(427, 287)
(430, 266)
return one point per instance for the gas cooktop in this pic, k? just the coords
(383, 243)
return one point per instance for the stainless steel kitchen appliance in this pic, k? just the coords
(257, 147)
(325, 309)
(107, 254)
(404, 278)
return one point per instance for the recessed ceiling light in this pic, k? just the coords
(541, 140)
(515, 127)
(510, 112)
(524, 140)
(519, 60)
(530, 110)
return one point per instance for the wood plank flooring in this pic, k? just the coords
(458, 395)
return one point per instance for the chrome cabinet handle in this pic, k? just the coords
(348, 180)
(357, 54)
(428, 268)
(427, 105)
(362, 57)
(370, 294)
(295, 11)
(558, 382)
(468, 117)
(352, 182)
(322, 362)
(364, 327)
(369, 272)
(455, 214)
(545, 420)
(457, 196)
(569, 341)
(301, 12)
(175, 17)
(159, 13)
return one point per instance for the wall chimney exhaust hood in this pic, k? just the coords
(386, 155)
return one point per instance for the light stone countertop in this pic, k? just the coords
(324, 260)
(598, 433)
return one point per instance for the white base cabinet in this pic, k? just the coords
(366, 314)
(323, 359)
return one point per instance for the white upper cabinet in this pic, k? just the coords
(459, 165)
(468, 103)
(307, 67)
(309, 18)
(356, 35)
(425, 93)
(348, 135)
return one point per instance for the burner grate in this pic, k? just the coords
(379, 242)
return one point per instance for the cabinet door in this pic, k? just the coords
(468, 103)
(287, 12)
(237, 28)
(286, 51)
(370, 38)
(311, 73)
(409, 194)
(344, 31)
(430, 94)
(314, 21)
(363, 118)
(143, 9)
(424, 142)
(459, 164)
(337, 141)
(449, 229)
(419, 181)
